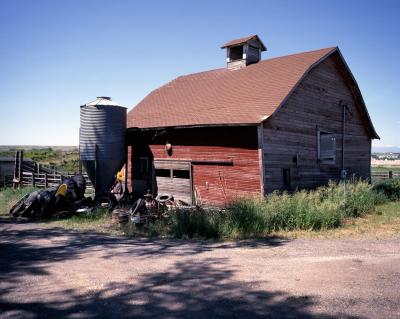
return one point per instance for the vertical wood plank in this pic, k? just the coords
(33, 179)
(260, 135)
(20, 169)
(16, 165)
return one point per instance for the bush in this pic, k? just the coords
(302, 210)
(360, 199)
(195, 223)
(390, 188)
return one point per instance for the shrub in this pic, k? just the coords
(322, 208)
(195, 223)
(360, 199)
(244, 217)
(390, 188)
(302, 210)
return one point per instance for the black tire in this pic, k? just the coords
(80, 186)
(19, 206)
(163, 198)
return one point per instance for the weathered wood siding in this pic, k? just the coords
(179, 186)
(224, 160)
(291, 134)
(253, 54)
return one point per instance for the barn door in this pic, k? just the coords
(175, 178)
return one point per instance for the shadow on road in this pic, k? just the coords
(205, 288)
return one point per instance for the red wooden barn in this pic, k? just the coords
(250, 128)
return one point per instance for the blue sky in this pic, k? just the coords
(57, 55)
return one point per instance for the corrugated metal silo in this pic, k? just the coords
(102, 141)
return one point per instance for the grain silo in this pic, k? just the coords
(102, 141)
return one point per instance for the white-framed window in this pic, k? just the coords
(326, 146)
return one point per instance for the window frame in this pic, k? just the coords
(234, 51)
(325, 160)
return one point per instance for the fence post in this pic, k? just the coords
(20, 169)
(33, 179)
(16, 165)
(45, 180)
(390, 174)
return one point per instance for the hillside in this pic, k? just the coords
(63, 158)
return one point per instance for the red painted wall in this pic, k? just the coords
(213, 183)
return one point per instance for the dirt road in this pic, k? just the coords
(53, 273)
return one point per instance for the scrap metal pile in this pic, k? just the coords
(147, 209)
(69, 199)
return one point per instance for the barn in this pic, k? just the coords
(250, 128)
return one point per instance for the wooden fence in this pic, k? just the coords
(385, 175)
(34, 174)
(44, 180)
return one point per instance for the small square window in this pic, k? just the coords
(177, 173)
(326, 146)
(236, 53)
(163, 172)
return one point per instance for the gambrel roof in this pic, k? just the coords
(233, 97)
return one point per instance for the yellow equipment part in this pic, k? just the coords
(62, 190)
(121, 175)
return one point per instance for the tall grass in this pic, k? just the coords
(323, 208)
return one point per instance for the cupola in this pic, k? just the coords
(244, 51)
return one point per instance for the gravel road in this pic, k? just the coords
(54, 273)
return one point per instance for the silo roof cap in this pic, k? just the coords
(102, 100)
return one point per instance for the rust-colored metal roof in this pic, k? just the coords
(244, 40)
(225, 97)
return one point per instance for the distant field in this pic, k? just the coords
(386, 163)
(379, 168)
(63, 158)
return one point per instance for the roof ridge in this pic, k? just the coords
(261, 61)
(300, 53)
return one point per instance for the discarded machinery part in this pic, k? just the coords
(123, 217)
(115, 215)
(148, 194)
(119, 215)
(103, 202)
(62, 190)
(182, 203)
(135, 208)
(84, 209)
(162, 198)
(135, 219)
(84, 202)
